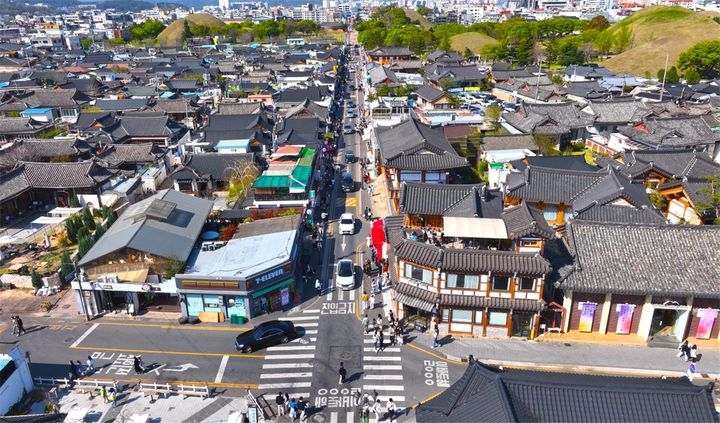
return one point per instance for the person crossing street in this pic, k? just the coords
(342, 372)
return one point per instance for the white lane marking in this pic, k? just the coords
(288, 356)
(311, 332)
(382, 367)
(221, 370)
(284, 385)
(287, 366)
(368, 341)
(312, 310)
(371, 349)
(333, 417)
(381, 377)
(306, 339)
(85, 335)
(292, 347)
(352, 295)
(307, 325)
(383, 388)
(350, 417)
(381, 358)
(285, 375)
(328, 297)
(341, 295)
(302, 318)
(396, 399)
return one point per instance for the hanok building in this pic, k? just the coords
(135, 253)
(287, 180)
(563, 121)
(658, 283)
(414, 152)
(387, 55)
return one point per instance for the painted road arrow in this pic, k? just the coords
(182, 368)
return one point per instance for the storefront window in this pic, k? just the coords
(462, 316)
(497, 318)
(418, 273)
(462, 281)
(194, 304)
(445, 315)
(550, 213)
(478, 317)
(500, 283)
(527, 284)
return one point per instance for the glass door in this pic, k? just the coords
(522, 324)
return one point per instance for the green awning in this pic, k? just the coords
(277, 286)
(272, 181)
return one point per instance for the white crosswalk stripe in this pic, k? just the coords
(382, 358)
(284, 385)
(352, 296)
(383, 377)
(311, 310)
(302, 340)
(341, 295)
(385, 350)
(349, 417)
(382, 367)
(298, 318)
(334, 417)
(285, 375)
(291, 347)
(287, 366)
(294, 357)
(329, 296)
(311, 332)
(383, 387)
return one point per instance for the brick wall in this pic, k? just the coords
(581, 297)
(637, 300)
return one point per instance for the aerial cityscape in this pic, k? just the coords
(360, 211)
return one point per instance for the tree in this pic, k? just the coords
(704, 57)
(467, 53)
(71, 227)
(148, 29)
(99, 232)
(172, 267)
(672, 76)
(36, 280)
(444, 44)
(446, 83)
(709, 204)
(86, 43)
(17, 153)
(66, 265)
(692, 76)
(243, 175)
(598, 22)
(187, 32)
(623, 39)
(493, 113)
(85, 243)
(455, 101)
(372, 38)
(74, 201)
(570, 54)
(546, 144)
(603, 42)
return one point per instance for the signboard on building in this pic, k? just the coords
(587, 314)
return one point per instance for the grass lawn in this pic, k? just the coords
(413, 15)
(472, 40)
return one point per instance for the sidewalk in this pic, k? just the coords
(625, 359)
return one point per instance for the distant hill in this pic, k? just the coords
(659, 30)
(413, 15)
(172, 35)
(472, 40)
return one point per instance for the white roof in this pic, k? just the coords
(474, 227)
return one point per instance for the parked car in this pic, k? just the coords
(347, 183)
(345, 274)
(350, 156)
(349, 104)
(348, 129)
(509, 107)
(347, 224)
(351, 114)
(264, 335)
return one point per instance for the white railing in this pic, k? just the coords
(166, 389)
(148, 388)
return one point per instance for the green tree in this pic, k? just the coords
(172, 267)
(493, 113)
(99, 232)
(599, 23)
(86, 43)
(446, 83)
(603, 42)
(623, 39)
(704, 57)
(467, 53)
(444, 44)
(74, 201)
(72, 227)
(66, 265)
(647, 74)
(692, 76)
(187, 32)
(36, 280)
(372, 38)
(570, 54)
(546, 144)
(148, 29)
(85, 243)
(672, 76)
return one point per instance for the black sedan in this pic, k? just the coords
(265, 335)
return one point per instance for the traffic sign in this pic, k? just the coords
(691, 371)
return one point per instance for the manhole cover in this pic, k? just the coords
(66, 306)
(319, 418)
(346, 355)
(69, 339)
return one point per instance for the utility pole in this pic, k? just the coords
(662, 89)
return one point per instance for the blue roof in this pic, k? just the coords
(37, 110)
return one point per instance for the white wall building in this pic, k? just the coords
(15, 377)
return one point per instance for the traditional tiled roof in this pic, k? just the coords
(419, 253)
(239, 108)
(538, 184)
(514, 395)
(610, 213)
(475, 301)
(52, 148)
(450, 200)
(389, 51)
(429, 93)
(523, 221)
(618, 112)
(676, 260)
(678, 132)
(315, 109)
(509, 142)
(132, 153)
(671, 163)
(552, 118)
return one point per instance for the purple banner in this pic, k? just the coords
(707, 318)
(624, 322)
(587, 313)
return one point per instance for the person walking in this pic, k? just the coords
(15, 325)
(342, 372)
(318, 287)
(292, 409)
(378, 340)
(391, 333)
(366, 415)
(112, 397)
(302, 407)
(372, 301)
(364, 300)
(287, 403)
(280, 402)
(366, 323)
(377, 409)
(103, 394)
(90, 365)
(380, 320)
(391, 319)
(73, 371)
(436, 335)
(391, 409)
(20, 326)
(136, 365)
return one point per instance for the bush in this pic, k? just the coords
(84, 245)
(99, 232)
(36, 280)
(88, 222)
(66, 265)
(228, 233)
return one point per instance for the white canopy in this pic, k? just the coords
(47, 220)
(474, 227)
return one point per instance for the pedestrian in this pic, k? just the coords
(15, 325)
(20, 326)
(693, 353)
(371, 189)
(436, 336)
(342, 372)
(378, 341)
(392, 335)
(136, 365)
(280, 402)
(302, 407)
(391, 409)
(471, 359)
(366, 415)
(380, 285)
(112, 397)
(365, 323)
(372, 301)
(90, 365)
(684, 350)
(364, 300)
(318, 287)
(73, 371)
(292, 406)
(380, 320)
(373, 286)
(263, 304)
(391, 319)
(377, 409)
(103, 394)
(80, 367)
(287, 403)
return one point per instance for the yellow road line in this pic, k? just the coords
(434, 355)
(357, 260)
(137, 350)
(427, 399)
(189, 382)
(178, 327)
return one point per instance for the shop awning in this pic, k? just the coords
(414, 302)
(474, 227)
(277, 286)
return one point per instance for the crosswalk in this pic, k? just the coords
(289, 368)
(337, 294)
(383, 371)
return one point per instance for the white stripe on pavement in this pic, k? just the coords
(333, 417)
(221, 370)
(312, 310)
(383, 388)
(350, 417)
(84, 335)
(328, 297)
(381, 377)
(291, 347)
(288, 356)
(302, 318)
(371, 349)
(284, 385)
(306, 339)
(341, 294)
(307, 325)
(352, 295)
(381, 358)
(382, 367)
(285, 375)
(287, 366)
(311, 332)
(396, 399)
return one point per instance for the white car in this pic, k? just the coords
(345, 274)
(347, 224)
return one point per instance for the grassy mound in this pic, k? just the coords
(172, 35)
(413, 15)
(472, 40)
(660, 30)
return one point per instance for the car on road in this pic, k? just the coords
(347, 224)
(349, 104)
(347, 183)
(345, 274)
(265, 334)
(348, 129)
(351, 114)
(350, 156)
